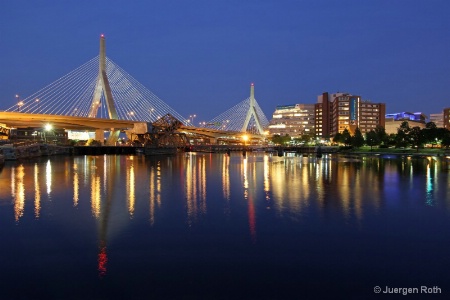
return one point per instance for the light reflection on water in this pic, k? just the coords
(192, 188)
(288, 184)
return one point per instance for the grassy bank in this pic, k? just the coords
(399, 151)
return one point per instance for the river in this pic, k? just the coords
(213, 226)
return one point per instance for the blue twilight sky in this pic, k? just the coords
(200, 56)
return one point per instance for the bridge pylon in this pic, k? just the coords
(252, 113)
(102, 87)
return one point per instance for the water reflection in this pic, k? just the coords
(154, 189)
(76, 184)
(289, 185)
(285, 187)
(130, 186)
(250, 187)
(19, 192)
(37, 192)
(195, 186)
(48, 176)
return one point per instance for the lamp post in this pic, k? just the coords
(39, 104)
(192, 117)
(151, 112)
(18, 102)
(47, 128)
(245, 138)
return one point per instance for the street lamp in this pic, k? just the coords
(47, 128)
(245, 138)
(192, 117)
(18, 102)
(151, 112)
(39, 104)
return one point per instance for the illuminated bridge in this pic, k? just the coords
(99, 95)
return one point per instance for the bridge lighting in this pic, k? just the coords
(39, 104)
(18, 101)
(245, 138)
(48, 127)
(151, 112)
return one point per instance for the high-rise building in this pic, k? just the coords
(447, 118)
(437, 119)
(339, 111)
(331, 114)
(322, 116)
(294, 120)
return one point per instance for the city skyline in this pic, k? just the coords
(200, 57)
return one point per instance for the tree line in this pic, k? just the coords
(406, 136)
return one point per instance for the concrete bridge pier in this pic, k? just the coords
(100, 135)
(113, 137)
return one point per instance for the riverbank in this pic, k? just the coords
(398, 151)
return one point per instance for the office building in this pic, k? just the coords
(339, 111)
(437, 119)
(294, 120)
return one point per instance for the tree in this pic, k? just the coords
(276, 139)
(305, 139)
(401, 140)
(405, 126)
(358, 139)
(391, 139)
(417, 137)
(346, 137)
(431, 133)
(372, 139)
(445, 137)
(382, 135)
(338, 138)
(280, 139)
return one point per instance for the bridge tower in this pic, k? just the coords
(102, 87)
(252, 112)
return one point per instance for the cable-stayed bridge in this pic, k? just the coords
(100, 89)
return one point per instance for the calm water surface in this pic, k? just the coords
(209, 226)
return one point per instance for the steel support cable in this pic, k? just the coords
(53, 97)
(43, 94)
(60, 91)
(78, 84)
(155, 101)
(79, 97)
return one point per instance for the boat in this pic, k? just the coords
(148, 150)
